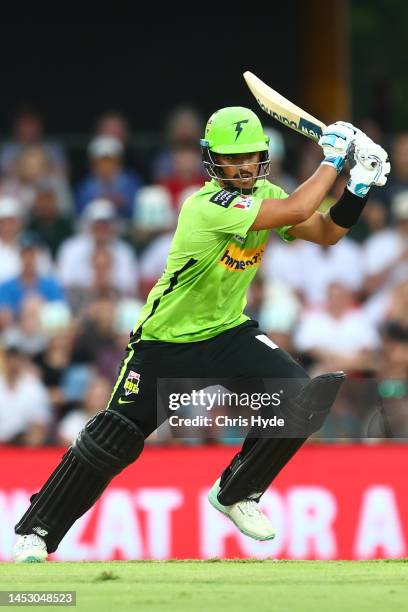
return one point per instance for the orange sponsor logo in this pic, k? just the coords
(238, 259)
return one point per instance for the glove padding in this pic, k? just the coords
(369, 165)
(336, 141)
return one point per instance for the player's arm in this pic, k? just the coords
(319, 228)
(302, 203)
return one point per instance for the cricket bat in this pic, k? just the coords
(282, 110)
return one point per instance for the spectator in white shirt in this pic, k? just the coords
(24, 404)
(75, 256)
(309, 268)
(386, 252)
(153, 262)
(337, 337)
(11, 224)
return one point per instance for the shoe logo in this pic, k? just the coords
(41, 532)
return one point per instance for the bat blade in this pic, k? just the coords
(282, 109)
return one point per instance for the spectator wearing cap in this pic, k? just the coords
(24, 404)
(100, 230)
(29, 281)
(108, 178)
(46, 220)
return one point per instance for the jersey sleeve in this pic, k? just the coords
(232, 213)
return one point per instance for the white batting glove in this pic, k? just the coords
(369, 165)
(336, 141)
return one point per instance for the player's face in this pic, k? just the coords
(241, 169)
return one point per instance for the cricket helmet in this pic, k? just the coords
(230, 131)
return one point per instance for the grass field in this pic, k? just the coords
(219, 585)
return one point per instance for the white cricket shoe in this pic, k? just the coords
(245, 514)
(30, 549)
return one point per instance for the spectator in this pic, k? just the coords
(183, 131)
(96, 399)
(26, 333)
(29, 281)
(309, 268)
(28, 130)
(32, 167)
(11, 225)
(279, 314)
(186, 172)
(114, 125)
(153, 261)
(394, 362)
(97, 341)
(108, 179)
(46, 219)
(338, 336)
(398, 307)
(386, 252)
(153, 214)
(392, 377)
(75, 256)
(101, 281)
(54, 363)
(24, 405)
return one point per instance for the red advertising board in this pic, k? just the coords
(330, 502)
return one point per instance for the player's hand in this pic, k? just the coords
(369, 165)
(336, 141)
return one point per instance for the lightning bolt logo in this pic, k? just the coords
(239, 128)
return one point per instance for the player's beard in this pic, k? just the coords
(244, 186)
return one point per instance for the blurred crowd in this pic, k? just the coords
(79, 256)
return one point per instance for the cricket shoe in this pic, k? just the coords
(245, 514)
(30, 549)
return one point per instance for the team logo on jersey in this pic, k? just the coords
(238, 259)
(223, 198)
(131, 384)
(243, 202)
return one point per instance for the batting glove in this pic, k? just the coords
(336, 141)
(369, 165)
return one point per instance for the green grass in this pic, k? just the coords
(187, 586)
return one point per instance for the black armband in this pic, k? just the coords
(346, 211)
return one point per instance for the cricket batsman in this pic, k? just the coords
(193, 326)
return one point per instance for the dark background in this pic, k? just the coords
(146, 59)
(144, 64)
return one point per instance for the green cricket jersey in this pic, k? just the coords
(212, 261)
